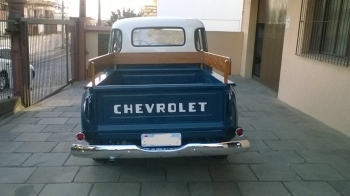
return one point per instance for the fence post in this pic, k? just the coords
(81, 41)
(16, 11)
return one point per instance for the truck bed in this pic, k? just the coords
(160, 74)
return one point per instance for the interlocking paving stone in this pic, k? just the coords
(261, 126)
(53, 121)
(77, 128)
(232, 172)
(142, 174)
(13, 159)
(98, 174)
(274, 172)
(262, 188)
(284, 145)
(321, 156)
(15, 174)
(187, 173)
(48, 114)
(7, 136)
(341, 187)
(256, 145)
(28, 113)
(246, 157)
(207, 160)
(81, 161)
(76, 189)
(21, 189)
(53, 175)
(281, 156)
(116, 189)
(9, 146)
(59, 128)
(259, 135)
(167, 161)
(62, 137)
(317, 172)
(66, 109)
(74, 121)
(46, 159)
(325, 144)
(32, 137)
(127, 162)
(6, 127)
(247, 127)
(71, 114)
(36, 147)
(213, 188)
(164, 188)
(310, 188)
(24, 120)
(290, 134)
(28, 128)
(345, 154)
(342, 168)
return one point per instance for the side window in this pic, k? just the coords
(116, 41)
(200, 40)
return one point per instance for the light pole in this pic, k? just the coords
(62, 28)
(99, 13)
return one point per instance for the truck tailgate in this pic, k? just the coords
(160, 108)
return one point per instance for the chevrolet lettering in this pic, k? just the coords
(159, 108)
(159, 93)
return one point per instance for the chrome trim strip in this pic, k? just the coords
(133, 151)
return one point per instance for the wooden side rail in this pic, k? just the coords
(218, 62)
(98, 64)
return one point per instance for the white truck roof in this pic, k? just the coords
(128, 25)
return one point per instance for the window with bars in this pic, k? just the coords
(324, 31)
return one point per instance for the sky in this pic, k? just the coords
(107, 6)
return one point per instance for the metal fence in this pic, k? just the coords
(52, 55)
(6, 81)
(47, 52)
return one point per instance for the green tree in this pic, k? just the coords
(129, 13)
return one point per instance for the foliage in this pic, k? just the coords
(129, 13)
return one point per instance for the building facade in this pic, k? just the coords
(298, 48)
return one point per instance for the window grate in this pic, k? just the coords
(324, 31)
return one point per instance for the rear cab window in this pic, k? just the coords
(158, 36)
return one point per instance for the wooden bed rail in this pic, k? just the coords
(220, 63)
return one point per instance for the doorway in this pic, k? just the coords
(269, 40)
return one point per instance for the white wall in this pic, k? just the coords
(217, 15)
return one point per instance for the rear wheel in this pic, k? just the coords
(3, 81)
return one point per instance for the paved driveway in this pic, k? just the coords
(291, 154)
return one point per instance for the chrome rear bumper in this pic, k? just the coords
(133, 151)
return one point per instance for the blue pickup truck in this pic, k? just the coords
(157, 94)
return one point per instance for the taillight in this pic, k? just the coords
(239, 132)
(80, 136)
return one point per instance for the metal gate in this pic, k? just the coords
(6, 81)
(51, 56)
